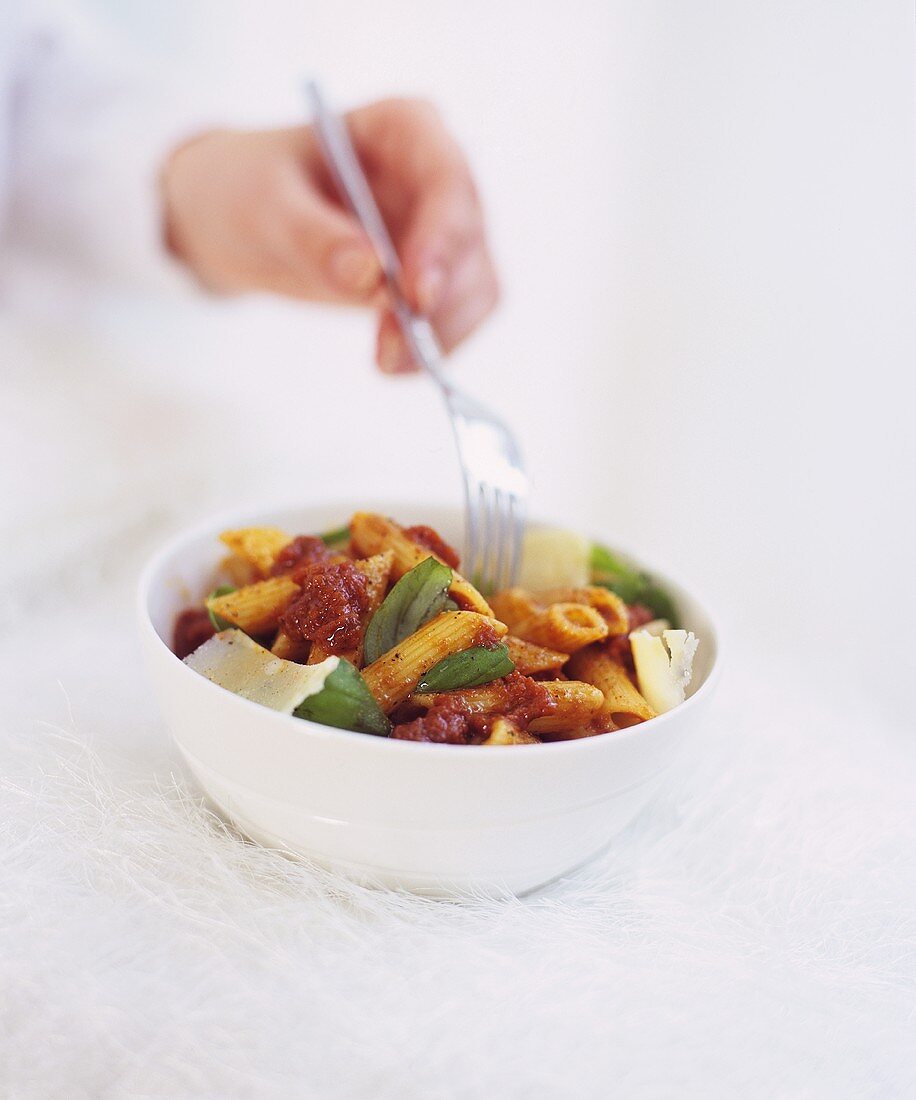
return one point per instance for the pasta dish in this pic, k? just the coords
(372, 628)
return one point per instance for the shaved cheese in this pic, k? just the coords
(235, 662)
(664, 666)
(656, 627)
(552, 558)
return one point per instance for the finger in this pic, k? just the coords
(445, 226)
(391, 352)
(404, 139)
(472, 296)
(425, 189)
(326, 256)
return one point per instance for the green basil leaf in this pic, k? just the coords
(219, 623)
(606, 568)
(338, 537)
(629, 590)
(659, 603)
(419, 595)
(469, 668)
(345, 702)
(630, 584)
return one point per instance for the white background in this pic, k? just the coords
(704, 222)
(703, 215)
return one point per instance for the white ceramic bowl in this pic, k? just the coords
(433, 819)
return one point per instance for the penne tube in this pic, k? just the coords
(396, 673)
(372, 534)
(238, 571)
(578, 704)
(513, 605)
(478, 700)
(529, 658)
(623, 705)
(290, 650)
(566, 627)
(608, 604)
(258, 546)
(256, 608)
(505, 732)
(376, 570)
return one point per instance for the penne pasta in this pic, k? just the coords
(566, 627)
(529, 658)
(291, 650)
(258, 546)
(578, 704)
(559, 659)
(505, 732)
(608, 604)
(513, 605)
(372, 534)
(623, 705)
(257, 607)
(238, 571)
(478, 700)
(396, 673)
(376, 570)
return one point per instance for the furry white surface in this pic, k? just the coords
(752, 932)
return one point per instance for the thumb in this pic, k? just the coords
(330, 258)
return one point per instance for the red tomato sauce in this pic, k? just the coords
(192, 629)
(639, 615)
(487, 637)
(303, 550)
(452, 721)
(448, 723)
(619, 646)
(331, 607)
(433, 541)
(527, 700)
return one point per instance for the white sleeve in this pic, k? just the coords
(88, 136)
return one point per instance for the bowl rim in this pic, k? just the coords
(235, 516)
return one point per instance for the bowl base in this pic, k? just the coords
(420, 883)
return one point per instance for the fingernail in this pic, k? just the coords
(430, 285)
(390, 351)
(394, 358)
(354, 268)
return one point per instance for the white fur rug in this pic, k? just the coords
(752, 933)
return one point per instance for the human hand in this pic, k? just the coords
(258, 211)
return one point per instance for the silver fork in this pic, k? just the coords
(495, 484)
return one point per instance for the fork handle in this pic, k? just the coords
(351, 182)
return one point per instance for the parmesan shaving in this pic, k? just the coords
(664, 666)
(235, 662)
(553, 558)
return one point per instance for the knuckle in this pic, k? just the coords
(420, 108)
(409, 112)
